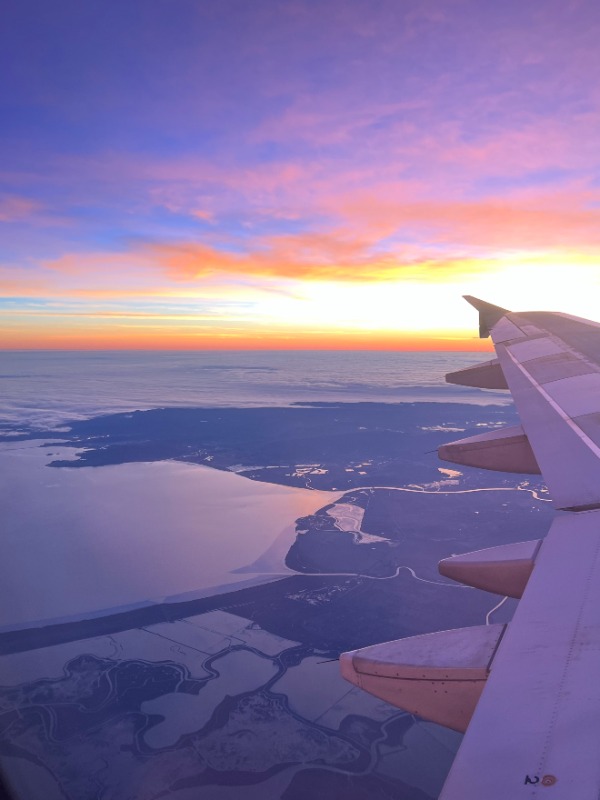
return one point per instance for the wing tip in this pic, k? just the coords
(489, 314)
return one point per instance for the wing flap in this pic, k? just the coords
(557, 367)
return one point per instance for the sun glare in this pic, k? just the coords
(552, 282)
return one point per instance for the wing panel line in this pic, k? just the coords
(559, 410)
(558, 700)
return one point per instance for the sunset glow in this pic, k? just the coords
(332, 175)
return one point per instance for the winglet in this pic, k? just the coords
(488, 314)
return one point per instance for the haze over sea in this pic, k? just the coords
(46, 388)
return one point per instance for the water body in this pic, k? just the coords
(225, 694)
(47, 388)
(83, 541)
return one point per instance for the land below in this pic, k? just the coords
(238, 694)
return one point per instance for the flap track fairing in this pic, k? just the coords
(487, 375)
(502, 570)
(503, 450)
(437, 676)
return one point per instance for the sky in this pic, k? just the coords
(257, 174)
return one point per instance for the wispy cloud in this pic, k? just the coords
(284, 157)
(16, 209)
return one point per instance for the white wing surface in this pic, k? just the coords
(528, 693)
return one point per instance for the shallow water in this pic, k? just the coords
(78, 541)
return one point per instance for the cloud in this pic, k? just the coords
(16, 209)
(567, 218)
(205, 216)
(103, 266)
(328, 256)
(378, 236)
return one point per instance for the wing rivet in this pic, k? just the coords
(549, 780)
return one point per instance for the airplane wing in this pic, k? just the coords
(527, 693)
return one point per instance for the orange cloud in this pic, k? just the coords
(569, 218)
(331, 256)
(478, 233)
(338, 255)
(373, 239)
